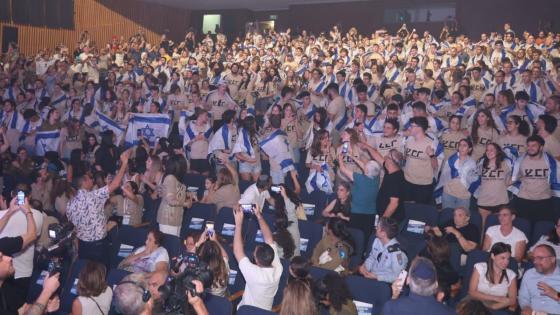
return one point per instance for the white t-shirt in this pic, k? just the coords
(261, 284)
(17, 226)
(252, 195)
(485, 287)
(515, 236)
(148, 263)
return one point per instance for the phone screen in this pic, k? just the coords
(247, 208)
(20, 197)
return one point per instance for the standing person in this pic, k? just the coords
(457, 175)
(515, 139)
(246, 150)
(263, 276)
(423, 156)
(197, 135)
(495, 177)
(390, 198)
(534, 181)
(336, 109)
(450, 137)
(483, 131)
(277, 147)
(364, 191)
(174, 197)
(86, 212)
(106, 155)
(540, 289)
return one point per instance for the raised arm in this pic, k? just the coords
(238, 250)
(116, 182)
(265, 229)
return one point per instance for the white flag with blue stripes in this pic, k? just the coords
(151, 126)
(276, 146)
(46, 141)
(106, 123)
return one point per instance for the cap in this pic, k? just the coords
(424, 269)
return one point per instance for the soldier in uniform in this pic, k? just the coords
(386, 259)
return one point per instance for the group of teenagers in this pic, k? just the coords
(372, 120)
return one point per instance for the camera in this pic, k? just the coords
(173, 291)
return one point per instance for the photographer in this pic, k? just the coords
(17, 225)
(262, 276)
(12, 245)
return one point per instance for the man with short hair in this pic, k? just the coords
(262, 273)
(422, 280)
(540, 288)
(423, 156)
(386, 259)
(129, 296)
(534, 182)
(86, 212)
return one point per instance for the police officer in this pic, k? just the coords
(386, 259)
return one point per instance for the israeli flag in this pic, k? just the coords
(319, 181)
(106, 123)
(152, 127)
(184, 121)
(46, 141)
(276, 146)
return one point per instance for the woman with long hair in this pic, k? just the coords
(494, 170)
(483, 131)
(285, 235)
(90, 146)
(71, 137)
(515, 139)
(457, 175)
(438, 251)
(349, 146)
(152, 177)
(225, 191)
(340, 206)
(215, 256)
(174, 197)
(492, 282)
(335, 248)
(298, 299)
(333, 293)
(62, 193)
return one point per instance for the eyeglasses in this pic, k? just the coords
(541, 257)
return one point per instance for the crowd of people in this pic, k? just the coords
(368, 124)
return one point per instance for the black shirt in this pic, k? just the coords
(392, 187)
(470, 232)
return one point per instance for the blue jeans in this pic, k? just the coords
(448, 201)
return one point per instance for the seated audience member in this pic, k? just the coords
(286, 233)
(540, 289)
(422, 281)
(468, 306)
(437, 250)
(459, 230)
(225, 192)
(505, 232)
(334, 250)
(551, 239)
(262, 276)
(148, 258)
(258, 192)
(94, 295)
(334, 295)
(298, 299)
(386, 259)
(492, 282)
(341, 206)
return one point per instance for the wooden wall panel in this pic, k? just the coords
(104, 19)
